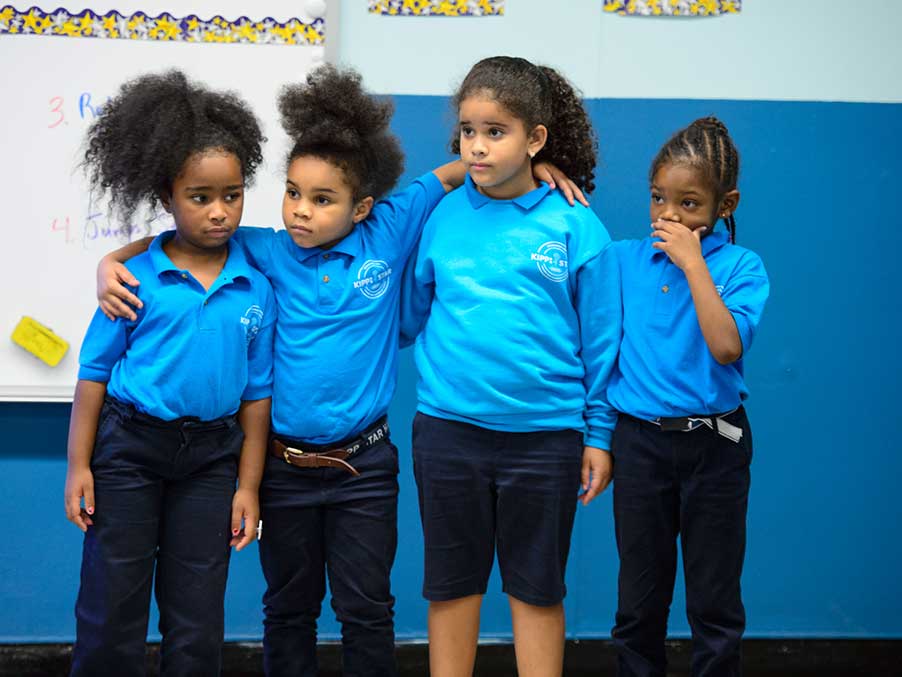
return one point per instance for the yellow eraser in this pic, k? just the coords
(40, 341)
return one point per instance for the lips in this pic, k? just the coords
(300, 229)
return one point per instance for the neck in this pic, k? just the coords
(190, 256)
(519, 184)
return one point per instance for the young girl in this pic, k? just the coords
(691, 301)
(330, 491)
(154, 444)
(521, 331)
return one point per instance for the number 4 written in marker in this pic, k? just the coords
(56, 228)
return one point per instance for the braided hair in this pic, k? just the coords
(538, 95)
(154, 124)
(706, 145)
(331, 117)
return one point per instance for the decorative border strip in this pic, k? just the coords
(437, 7)
(673, 7)
(162, 28)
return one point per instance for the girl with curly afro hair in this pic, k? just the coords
(517, 304)
(173, 406)
(335, 270)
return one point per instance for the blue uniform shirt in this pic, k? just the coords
(665, 367)
(519, 308)
(191, 352)
(336, 345)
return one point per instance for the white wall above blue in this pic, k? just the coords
(806, 50)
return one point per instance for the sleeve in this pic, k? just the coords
(744, 296)
(600, 311)
(104, 345)
(257, 245)
(260, 351)
(417, 291)
(402, 215)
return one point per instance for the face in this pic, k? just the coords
(496, 148)
(207, 199)
(318, 208)
(681, 193)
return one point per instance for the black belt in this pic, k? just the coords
(330, 455)
(685, 424)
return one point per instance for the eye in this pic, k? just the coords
(322, 200)
(233, 197)
(656, 199)
(496, 133)
(466, 131)
(292, 193)
(690, 204)
(199, 199)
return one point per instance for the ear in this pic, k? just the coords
(165, 200)
(363, 208)
(536, 140)
(729, 203)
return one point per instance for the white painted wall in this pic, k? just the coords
(821, 50)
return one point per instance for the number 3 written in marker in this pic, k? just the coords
(56, 105)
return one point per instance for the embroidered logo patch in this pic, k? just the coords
(253, 318)
(551, 259)
(373, 278)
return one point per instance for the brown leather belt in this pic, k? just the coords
(308, 456)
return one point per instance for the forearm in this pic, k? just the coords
(714, 318)
(83, 422)
(253, 416)
(130, 251)
(451, 175)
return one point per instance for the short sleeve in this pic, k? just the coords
(257, 245)
(745, 294)
(403, 214)
(104, 345)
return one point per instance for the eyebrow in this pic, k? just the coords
(487, 123)
(313, 190)
(235, 186)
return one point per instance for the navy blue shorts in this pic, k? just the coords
(483, 489)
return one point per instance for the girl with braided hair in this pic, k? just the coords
(692, 300)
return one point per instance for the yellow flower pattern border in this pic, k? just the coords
(163, 28)
(682, 8)
(437, 7)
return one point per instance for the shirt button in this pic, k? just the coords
(326, 279)
(326, 256)
(184, 276)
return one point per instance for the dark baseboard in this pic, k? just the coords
(595, 658)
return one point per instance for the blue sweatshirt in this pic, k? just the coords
(517, 305)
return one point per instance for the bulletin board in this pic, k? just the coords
(58, 65)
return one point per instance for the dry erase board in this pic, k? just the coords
(58, 65)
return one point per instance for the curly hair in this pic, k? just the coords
(538, 95)
(331, 117)
(147, 132)
(706, 145)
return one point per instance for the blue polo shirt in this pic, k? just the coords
(190, 352)
(665, 367)
(336, 344)
(519, 306)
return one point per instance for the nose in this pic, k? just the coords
(669, 214)
(302, 209)
(218, 211)
(477, 146)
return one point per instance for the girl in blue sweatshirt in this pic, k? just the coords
(517, 311)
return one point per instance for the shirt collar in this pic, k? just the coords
(711, 243)
(236, 264)
(350, 245)
(526, 201)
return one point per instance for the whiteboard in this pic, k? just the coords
(53, 234)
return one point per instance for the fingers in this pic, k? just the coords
(237, 514)
(248, 535)
(114, 307)
(124, 275)
(585, 473)
(80, 517)
(583, 200)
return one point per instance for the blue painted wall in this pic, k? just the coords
(818, 184)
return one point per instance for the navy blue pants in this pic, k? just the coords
(695, 485)
(324, 521)
(163, 493)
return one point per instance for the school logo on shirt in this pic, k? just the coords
(551, 259)
(253, 318)
(719, 288)
(373, 278)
